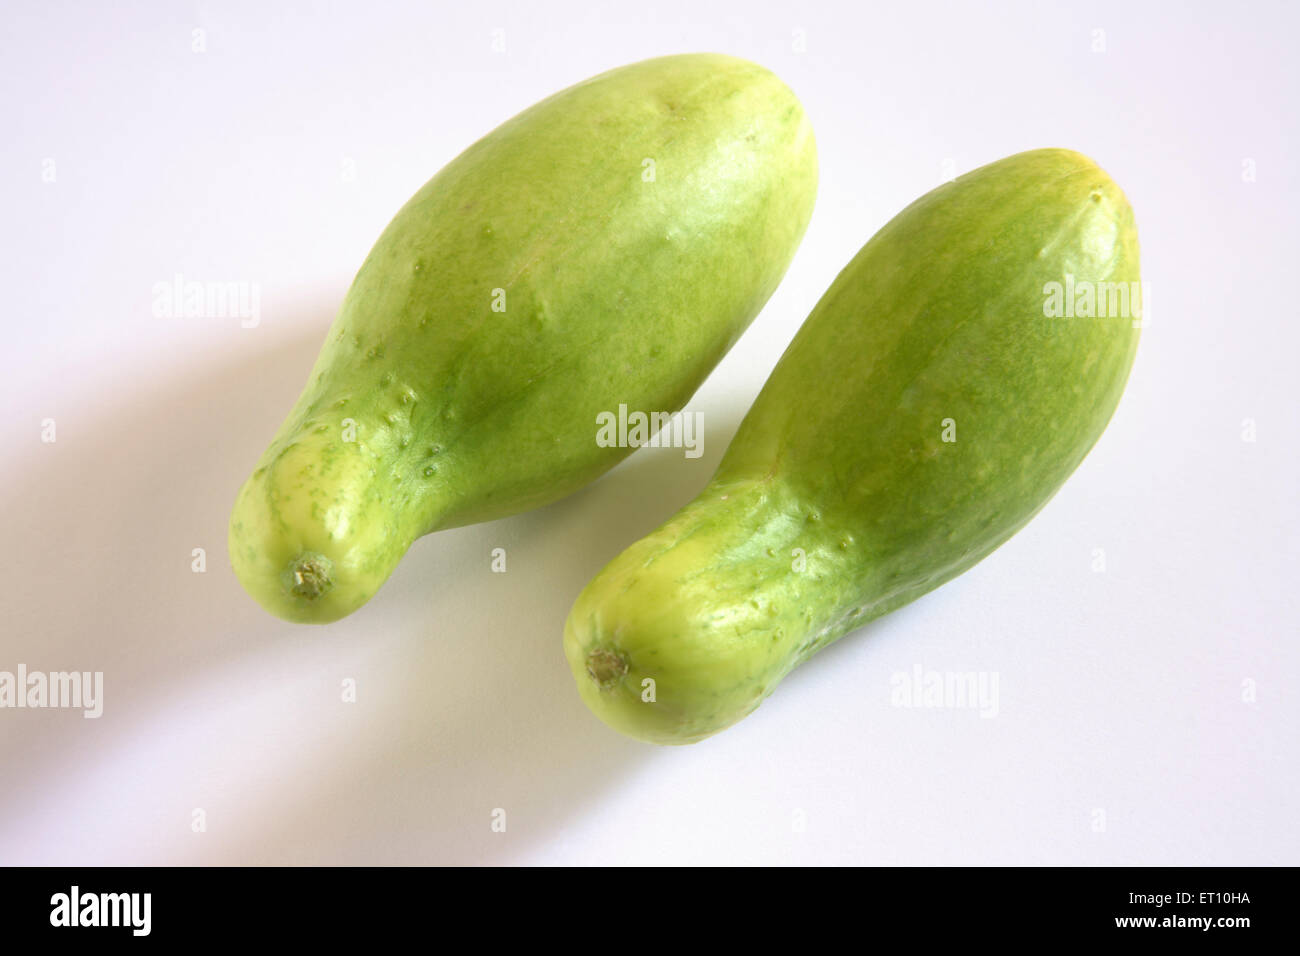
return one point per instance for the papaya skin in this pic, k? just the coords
(606, 246)
(842, 458)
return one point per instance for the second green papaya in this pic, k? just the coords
(605, 247)
(945, 386)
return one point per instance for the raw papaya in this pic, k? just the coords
(604, 247)
(945, 386)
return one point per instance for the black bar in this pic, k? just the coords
(329, 905)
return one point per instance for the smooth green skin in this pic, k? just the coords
(940, 316)
(617, 290)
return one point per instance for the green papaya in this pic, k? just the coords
(936, 397)
(606, 246)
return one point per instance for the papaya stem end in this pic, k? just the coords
(309, 575)
(606, 667)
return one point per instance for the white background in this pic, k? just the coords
(1126, 731)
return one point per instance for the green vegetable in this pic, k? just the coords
(931, 404)
(605, 247)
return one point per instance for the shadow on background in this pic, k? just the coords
(464, 703)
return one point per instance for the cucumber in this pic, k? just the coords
(938, 395)
(606, 246)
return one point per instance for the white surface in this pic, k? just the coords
(1119, 691)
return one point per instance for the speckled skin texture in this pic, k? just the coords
(842, 458)
(621, 281)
